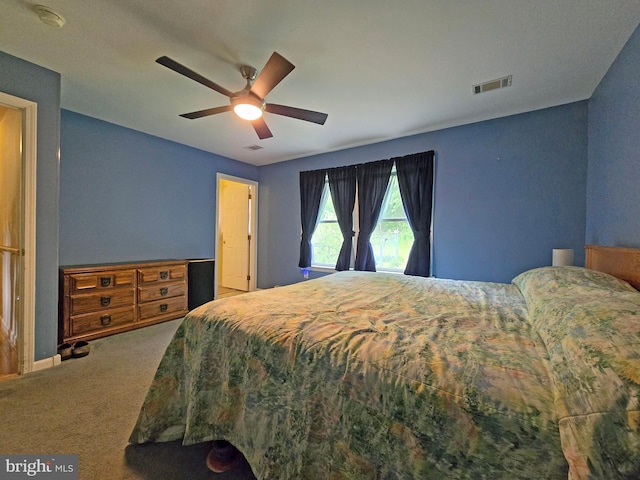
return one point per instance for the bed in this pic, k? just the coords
(361, 375)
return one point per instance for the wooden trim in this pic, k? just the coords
(27, 354)
(621, 262)
(69, 269)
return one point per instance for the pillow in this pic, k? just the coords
(548, 280)
(589, 306)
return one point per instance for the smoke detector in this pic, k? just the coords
(49, 17)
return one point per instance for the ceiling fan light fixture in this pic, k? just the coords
(247, 111)
(247, 107)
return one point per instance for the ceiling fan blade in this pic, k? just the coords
(299, 113)
(182, 70)
(261, 128)
(274, 71)
(206, 112)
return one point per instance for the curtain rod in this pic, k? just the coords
(374, 161)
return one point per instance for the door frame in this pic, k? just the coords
(26, 325)
(253, 219)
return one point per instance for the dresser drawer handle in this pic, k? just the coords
(105, 281)
(106, 300)
(164, 291)
(163, 307)
(164, 275)
(105, 320)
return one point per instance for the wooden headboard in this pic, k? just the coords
(620, 262)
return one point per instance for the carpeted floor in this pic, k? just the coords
(228, 292)
(88, 406)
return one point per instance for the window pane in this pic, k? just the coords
(329, 212)
(391, 242)
(326, 243)
(393, 201)
(392, 239)
(327, 238)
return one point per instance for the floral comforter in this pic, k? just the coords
(361, 375)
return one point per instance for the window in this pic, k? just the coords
(327, 238)
(380, 188)
(391, 240)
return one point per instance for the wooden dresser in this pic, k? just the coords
(100, 300)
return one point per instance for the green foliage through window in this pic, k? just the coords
(391, 240)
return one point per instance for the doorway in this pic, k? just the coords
(17, 234)
(236, 240)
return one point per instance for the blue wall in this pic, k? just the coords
(507, 192)
(31, 82)
(613, 207)
(129, 196)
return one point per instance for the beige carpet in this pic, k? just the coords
(88, 406)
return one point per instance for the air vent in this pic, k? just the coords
(492, 85)
(253, 147)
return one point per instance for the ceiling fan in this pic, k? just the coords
(249, 103)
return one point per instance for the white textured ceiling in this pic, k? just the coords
(380, 69)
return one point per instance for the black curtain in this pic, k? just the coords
(311, 186)
(415, 180)
(373, 179)
(342, 183)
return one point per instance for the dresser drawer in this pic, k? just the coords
(86, 282)
(160, 308)
(165, 273)
(106, 299)
(160, 291)
(92, 322)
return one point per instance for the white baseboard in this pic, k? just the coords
(47, 363)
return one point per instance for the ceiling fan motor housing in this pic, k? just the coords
(248, 73)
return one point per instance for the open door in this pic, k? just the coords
(17, 234)
(11, 228)
(235, 235)
(235, 256)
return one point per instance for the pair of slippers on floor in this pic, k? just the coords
(77, 350)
